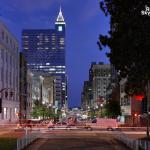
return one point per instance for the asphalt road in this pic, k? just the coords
(77, 140)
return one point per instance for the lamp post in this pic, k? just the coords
(101, 107)
(148, 106)
(41, 89)
(148, 123)
(43, 109)
(96, 111)
(50, 110)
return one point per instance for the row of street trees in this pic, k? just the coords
(44, 112)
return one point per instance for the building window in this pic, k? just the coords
(7, 39)
(122, 88)
(59, 28)
(6, 94)
(2, 74)
(3, 35)
(5, 113)
(15, 112)
(10, 42)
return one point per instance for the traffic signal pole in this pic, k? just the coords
(148, 108)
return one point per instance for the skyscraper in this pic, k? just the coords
(101, 80)
(86, 96)
(44, 50)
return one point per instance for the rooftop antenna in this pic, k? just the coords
(60, 3)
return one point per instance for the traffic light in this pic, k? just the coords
(0, 105)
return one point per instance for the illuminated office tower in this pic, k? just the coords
(44, 50)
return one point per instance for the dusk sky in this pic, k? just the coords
(84, 22)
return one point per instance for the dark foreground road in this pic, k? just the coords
(77, 141)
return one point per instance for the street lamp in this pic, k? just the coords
(43, 102)
(148, 107)
(50, 110)
(148, 123)
(146, 116)
(41, 88)
(101, 107)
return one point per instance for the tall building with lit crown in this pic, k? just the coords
(44, 50)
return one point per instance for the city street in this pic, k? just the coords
(77, 140)
(74, 75)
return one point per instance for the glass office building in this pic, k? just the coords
(44, 50)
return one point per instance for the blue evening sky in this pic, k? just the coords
(84, 22)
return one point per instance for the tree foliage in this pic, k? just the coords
(40, 110)
(36, 112)
(112, 109)
(129, 41)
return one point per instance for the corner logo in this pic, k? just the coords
(146, 11)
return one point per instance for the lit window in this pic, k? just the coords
(15, 111)
(5, 113)
(59, 28)
(25, 36)
(52, 69)
(41, 66)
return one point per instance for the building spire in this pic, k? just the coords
(60, 17)
(60, 9)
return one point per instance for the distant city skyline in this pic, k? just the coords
(84, 23)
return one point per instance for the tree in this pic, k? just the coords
(92, 113)
(40, 110)
(112, 109)
(129, 41)
(37, 111)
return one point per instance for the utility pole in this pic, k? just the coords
(148, 107)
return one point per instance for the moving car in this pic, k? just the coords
(58, 125)
(68, 126)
